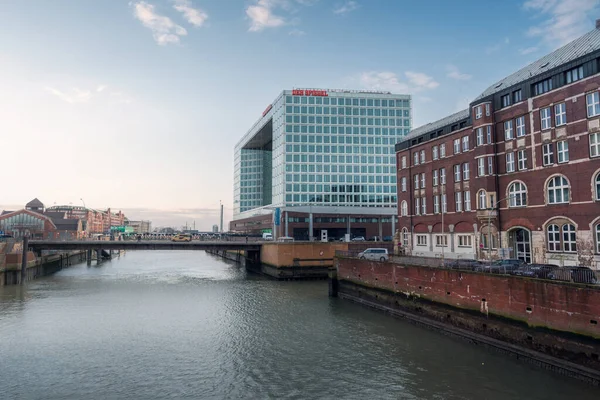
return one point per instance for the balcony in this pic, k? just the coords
(487, 214)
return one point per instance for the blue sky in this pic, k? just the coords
(138, 104)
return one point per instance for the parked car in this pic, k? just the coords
(388, 238)
(285, 239)
(463, 263)
(375, 239)
(535, 270)
(358, 239)
(583, 275)
(561, 274)
(502, 266)
(374, 254)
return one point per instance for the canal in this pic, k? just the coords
(153, 325)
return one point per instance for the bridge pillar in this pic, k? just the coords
(98, 256)
(89, 256)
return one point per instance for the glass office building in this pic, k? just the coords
(331, 150)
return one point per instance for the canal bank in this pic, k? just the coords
(553, 325)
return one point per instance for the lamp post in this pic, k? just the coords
(443, 236)
(490, 222)
(83, 203)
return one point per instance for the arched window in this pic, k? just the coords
(598, 238)
(517, 195)
(562, 238)
(553, 238)
(404, 209)
(597, 185)
(482, 200)
(404, 237)
(558, 190)
(569, 238)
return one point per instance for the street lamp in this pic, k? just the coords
(490, 223)
(443, 236)
(83, 203)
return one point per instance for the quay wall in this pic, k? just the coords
(519, 315)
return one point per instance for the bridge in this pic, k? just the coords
(38, 245)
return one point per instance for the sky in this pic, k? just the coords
(137, 105)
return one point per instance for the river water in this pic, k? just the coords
(154, 325)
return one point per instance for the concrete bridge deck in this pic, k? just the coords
(36, 245)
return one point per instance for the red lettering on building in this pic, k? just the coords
(267, 109)
(309, 92)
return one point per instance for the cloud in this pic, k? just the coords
(494, 48)
(528, 50)
(345, 8)
(261, 16)
(100, 88)
(76, 95)
(297, 32)
(566, 19)
(454, 73)
(164, 30)
(415, 81)
(194, 16)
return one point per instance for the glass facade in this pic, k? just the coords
(327, 148)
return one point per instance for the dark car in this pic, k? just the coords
(502, 266)
(535, 270)
(583, 275)
(387, 238)
(464, 264)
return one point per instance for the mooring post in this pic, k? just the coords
(24, 260)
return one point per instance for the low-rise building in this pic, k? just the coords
(518, 170)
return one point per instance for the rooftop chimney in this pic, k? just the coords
(598, 24)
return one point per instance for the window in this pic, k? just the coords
(479, 136)
(416, 180)
(508, 130)
(405, 237)
(593, 104)
(522, 159)
(442, 150)
(597, 238)
(443, 176)
(422, 156)
(517, 195)
(558, 190)
(489, 134)
(458, 201)
(441, 240)
(546, 118)
(415, 157)
(575, 74)
(465, 168)
(457, 173)
(456, 146)
(597, 185)
(423, 181)
(553, 238)
(569, 238)
(465, 143)
(444, 204)
(520, 126)
(517, 96)
(487, 110)
(467, 200)
(436, 204)
(548, 154)
(490, 165)
(465, 241)
(594, 144)
(480, 166)
(477, 112)
(482, 200)
(510, 162)
(434, 151)
(435, 177)
(421, 240)
(485, 239)
(505, 100)
(403, 161)
(417, 205)
(404, 208)
(542, 87)
(423, 206)
(560, 114)
(403, 183)
(562, 150)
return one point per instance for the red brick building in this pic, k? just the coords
(525, 156)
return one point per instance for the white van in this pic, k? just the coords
(374, 254)
(267, 236)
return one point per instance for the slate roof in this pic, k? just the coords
(66, 224)
(55, 214)
(6, 212)
(35, 203)
(433, 126)
(586, 44)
